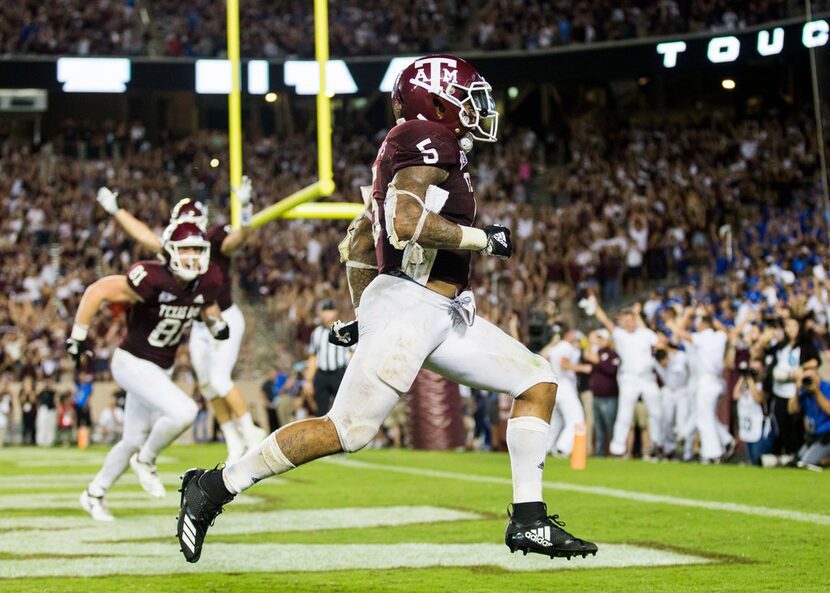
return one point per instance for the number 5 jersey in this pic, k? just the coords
(155, 325)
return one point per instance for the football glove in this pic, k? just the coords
(78, 350)
(219, 329)
(108, 200)
(343, 334)
(498, 241)
(244, 193)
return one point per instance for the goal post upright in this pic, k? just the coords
(234, 109)
(301, 204)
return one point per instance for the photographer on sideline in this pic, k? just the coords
(814, 399)
(793, 355)
(749, 395)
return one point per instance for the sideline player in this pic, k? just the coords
(563, 354)
(672, 366)
(633, 342)
(212, 361)
(165, 298)
(418, 312)
(709, 349)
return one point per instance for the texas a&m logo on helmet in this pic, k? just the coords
(189, 210)
(185, 250)
(452, 83)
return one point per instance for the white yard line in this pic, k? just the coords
(117, 500)
(116, 548)
(755, 511)
(79, 481)
(145, 559)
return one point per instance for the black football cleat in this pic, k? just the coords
(543, 534)
(203, 496)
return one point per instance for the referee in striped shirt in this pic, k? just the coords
(327, 362)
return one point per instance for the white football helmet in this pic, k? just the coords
(185, 250)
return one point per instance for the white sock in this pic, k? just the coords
(245, 422)
(263, 461)
(233, 440)
(527, 439)
(250, 433)
(95, 489)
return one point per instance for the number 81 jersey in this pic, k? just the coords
(155, 325)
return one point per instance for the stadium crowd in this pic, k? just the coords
(539, 24)
(196, 28)
(101, 27)
(718, 213)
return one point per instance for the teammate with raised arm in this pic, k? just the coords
(213, 361)
(418, 312)
(634, 343)
(165, 299)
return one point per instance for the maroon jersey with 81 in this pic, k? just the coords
(215, 235)
(426, 143)
(156, 324)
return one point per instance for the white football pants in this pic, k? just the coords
(713, 434)
(675, 411)
(155, 413)
(567, 413)
(631, 388)
(405, 326)
(213, 360)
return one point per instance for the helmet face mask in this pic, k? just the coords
(186, 250)
(447, 90)
(189, 210)
(476, 110)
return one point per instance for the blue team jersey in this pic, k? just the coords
(818, 421)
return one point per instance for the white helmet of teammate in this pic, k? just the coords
(185, 250)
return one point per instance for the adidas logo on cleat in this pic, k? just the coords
(540, 536)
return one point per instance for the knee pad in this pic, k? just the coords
(354, 432)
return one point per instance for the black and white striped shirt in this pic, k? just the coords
(329, 356)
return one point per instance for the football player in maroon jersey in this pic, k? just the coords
(418, 311)
(212, 361)
(165, 299)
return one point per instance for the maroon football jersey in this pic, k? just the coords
(156, 325)
(426, 143)
(215, 235)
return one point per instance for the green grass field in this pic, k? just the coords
(415, 521)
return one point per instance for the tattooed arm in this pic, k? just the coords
(431, 230)
(362, 259)
(437, 232)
